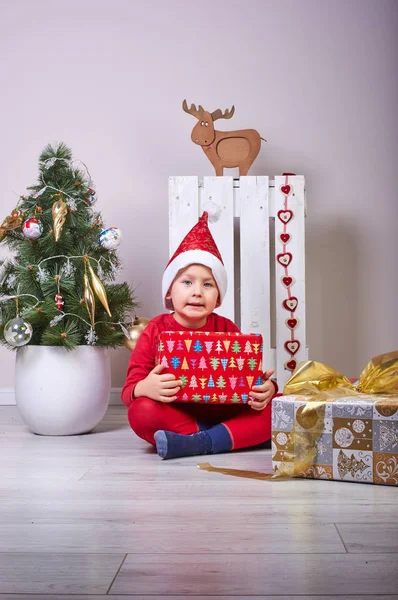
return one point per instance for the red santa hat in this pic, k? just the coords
(197, 248)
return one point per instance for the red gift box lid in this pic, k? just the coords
(215, 368)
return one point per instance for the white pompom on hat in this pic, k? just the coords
(197, 248)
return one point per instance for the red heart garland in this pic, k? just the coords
(284, 259)
(286, 189)
(291, 364)
(292, 346)
(287, 281)
(284, 237)
(285, 215)
(290, 303)
(292, 323)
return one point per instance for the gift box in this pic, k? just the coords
(214, 368)
(324, 427)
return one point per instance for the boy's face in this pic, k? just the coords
(194, 294)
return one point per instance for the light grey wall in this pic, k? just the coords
(318, 79)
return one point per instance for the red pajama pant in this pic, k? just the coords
(246, 426)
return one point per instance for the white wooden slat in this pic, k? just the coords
(254, 261)
(271, 197)
(183, 208)
(218, 192)
(296, 269)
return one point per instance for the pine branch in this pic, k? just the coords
(64, 334)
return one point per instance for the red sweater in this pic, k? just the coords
(142, 359)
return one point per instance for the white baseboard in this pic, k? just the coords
(7, 397)
(115, 396)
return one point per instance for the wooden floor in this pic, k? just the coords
(100, 515)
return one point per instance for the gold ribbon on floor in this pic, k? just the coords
(321, 384)
(235, 472)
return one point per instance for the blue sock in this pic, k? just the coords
(220, 439)
(175, 445)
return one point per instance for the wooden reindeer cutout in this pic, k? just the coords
(224, 149)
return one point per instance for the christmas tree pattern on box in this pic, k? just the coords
(214, 368)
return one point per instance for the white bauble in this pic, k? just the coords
(32, 228)
(18, 332)
(110, 238)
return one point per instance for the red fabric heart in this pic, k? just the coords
(291, 364)
(284, 237)
(285, 215)
(286, 189)
(287, 281)
(292, 323)
(292, 346)
(290, 303)
(284, 259)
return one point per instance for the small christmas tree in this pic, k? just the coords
(53, 292)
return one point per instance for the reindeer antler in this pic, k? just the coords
(218, 114)
(195, 112)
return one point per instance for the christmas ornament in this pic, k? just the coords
(110, 238)
(11, 281)
(32, 229)
(134, 332)
(59, 301)
(13, 221)
(68, 269)
(42, 275)
(91, 337)
(18, 332)
(89, 299)
(56, 320)
(59, 212)
(71, 204)
(91, 198)
(99, 289)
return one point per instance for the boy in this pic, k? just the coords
(194, 284)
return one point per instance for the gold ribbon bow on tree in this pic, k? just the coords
(13, 221)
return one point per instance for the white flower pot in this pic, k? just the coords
(61, 392)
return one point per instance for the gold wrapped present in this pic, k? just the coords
(324, 427)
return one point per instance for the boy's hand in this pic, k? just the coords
(262, 394)
(156, 386)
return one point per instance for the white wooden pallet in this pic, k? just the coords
(252, 215)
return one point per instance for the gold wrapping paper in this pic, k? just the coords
(321, 384)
